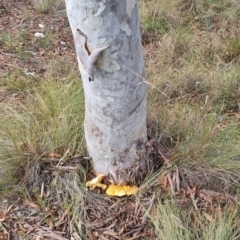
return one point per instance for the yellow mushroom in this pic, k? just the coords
(131, 190)
(117, 190)
(112, 190)
(96, 182)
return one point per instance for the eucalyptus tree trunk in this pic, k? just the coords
(108, 46)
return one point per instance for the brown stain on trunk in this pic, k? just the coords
(94, 130)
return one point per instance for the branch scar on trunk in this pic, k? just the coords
(87, 58)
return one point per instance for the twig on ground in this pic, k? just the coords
(5, 230)
(194, 201)
(171, 183)
(49, 233)
(61, 159)
(177, 180)
(42, 190)
(149, 209)
(64, 215)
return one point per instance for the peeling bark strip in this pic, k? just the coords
(86, 58)
(108, 45)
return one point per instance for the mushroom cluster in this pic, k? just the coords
(111, 190)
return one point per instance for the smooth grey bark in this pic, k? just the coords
(108, 45)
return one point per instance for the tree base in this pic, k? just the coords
(147, 160)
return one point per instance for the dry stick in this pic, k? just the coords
(148, 210)
(134, 231)
(136, 212)
(110, 226)
(171, 183)
(29, 197)
(5, 231)
(194, 201)
(137, 237)
(177, 180)
(76, 236)
(111, 233)
(65, 154)
(49, 233)
(64, 215)
(32, 229)
(51, 229)
(65, 168)
(166, 160)
(42, 190)
(5, 212)
(104, 222)
(174, 180)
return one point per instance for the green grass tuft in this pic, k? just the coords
(171, 222)
(43, 6)
(47, 118)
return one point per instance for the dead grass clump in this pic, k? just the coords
(43, 6)
(220, 180)
(60, 189)
(194, 202)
